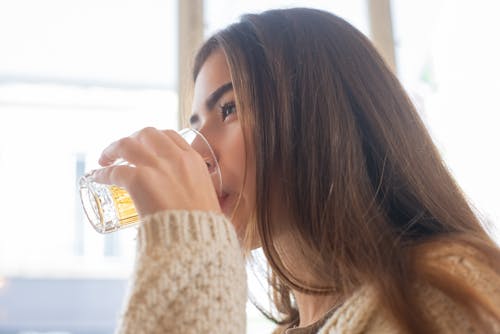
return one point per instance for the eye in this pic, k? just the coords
(227, 109)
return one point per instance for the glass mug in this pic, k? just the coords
(110, 208)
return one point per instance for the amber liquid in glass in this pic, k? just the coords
(127, 214)
(108, 207)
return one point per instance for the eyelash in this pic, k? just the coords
(227, 109)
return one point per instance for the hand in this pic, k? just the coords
(167, 173)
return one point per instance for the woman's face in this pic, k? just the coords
(214, 114)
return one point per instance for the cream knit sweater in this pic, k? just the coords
(190, 277)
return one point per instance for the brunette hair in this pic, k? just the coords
(337, 137)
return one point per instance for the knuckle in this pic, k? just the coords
(125, 142)
(148, 130)
(191, 159)
(133, 179)
(184, 161)
(170, 132)
(198, 158)
(145, 133)
(113, 174)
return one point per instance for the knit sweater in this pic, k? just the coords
(189, 277)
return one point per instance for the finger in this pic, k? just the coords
(198, 143)
(128, 149)
(157, 141)
(175, 137)
(120, 176)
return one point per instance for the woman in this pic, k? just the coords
(327, 166)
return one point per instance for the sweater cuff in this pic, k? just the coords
(166, 228)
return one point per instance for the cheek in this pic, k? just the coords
(250, 182)
(244, 162)
(235, 164)
(232, 158)
(247, 183)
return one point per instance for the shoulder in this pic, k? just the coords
(468, 274)
(463, 264)
(453, 254)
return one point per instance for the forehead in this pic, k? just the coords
(213, 74)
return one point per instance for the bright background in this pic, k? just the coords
(75, 75)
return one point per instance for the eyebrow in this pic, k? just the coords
(212, 100)
(217, 94)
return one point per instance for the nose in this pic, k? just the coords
(203, 146)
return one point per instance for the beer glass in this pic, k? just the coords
(110, 208)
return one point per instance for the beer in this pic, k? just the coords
(111, 207)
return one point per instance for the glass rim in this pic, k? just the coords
(184, 131)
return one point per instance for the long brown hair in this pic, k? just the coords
(337, 138)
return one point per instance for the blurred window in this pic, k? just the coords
(74, 76)
(448, 59)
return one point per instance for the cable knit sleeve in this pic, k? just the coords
(189, 276)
